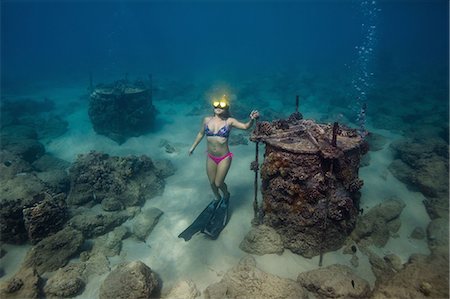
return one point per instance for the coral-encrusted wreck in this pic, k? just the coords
(310, 182)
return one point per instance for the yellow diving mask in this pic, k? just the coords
(222, 103)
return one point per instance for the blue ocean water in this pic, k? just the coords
(378, 66)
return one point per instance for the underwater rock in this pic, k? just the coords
(381, 268)
(335, 281)
(309, 181)
(110, 204)
(45, 217)
(17, 194)
(48, 163)
(54, 251)
(377, 224)
(422, 164)
(96, 264)
(145, 222)
(122, 110)
(185, 289)
(246, 281)
(96, 176)
(129, 280)
(421, 277)
(93, 224)
(18, 132)
(21, 141)
(66, 282)
(27, 106)
(24, 284)
(168, 147)
(110, 244)
(164, 168)
(55, 181)
(11, 165)
(394, 260)
(261, 240)
(438, 235)
(47, 127)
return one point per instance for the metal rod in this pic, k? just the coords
(297, 102)
(334, 137)
(255, 202)
(331, 187)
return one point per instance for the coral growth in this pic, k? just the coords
(97, 176)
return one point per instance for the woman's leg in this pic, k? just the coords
(221, 173)
(211, 169)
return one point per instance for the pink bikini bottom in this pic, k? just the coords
(217, 160)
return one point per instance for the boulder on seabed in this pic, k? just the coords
(247, 281)
(185, 289)
(335, 281)
(55, 251)
(129, 280)
(145, 222)
(261, 240)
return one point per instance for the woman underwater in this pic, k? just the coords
(217, 130)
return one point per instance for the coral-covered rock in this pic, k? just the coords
(261, 240)
(375, 224)
(93, 224)
(11, 165)
(66, 282)
(185, 289)
(47, 126)
(15, 195)
(48, 162)
(437, 235)
(45, 217)
(145, 222)
(96, 176)
(55, 181)
(246, 281)
(109, 244)
(129, 280)
(421, 277)
(55, 251)
(24, 284)
(164, 168)
(335, 281)
(422, 164)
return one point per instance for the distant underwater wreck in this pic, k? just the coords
(122, 109)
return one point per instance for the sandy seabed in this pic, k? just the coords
(187, 192)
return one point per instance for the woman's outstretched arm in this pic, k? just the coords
(199, 137)
(245, 126)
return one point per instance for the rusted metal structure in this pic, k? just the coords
(310, 183)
